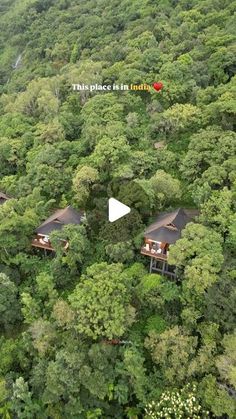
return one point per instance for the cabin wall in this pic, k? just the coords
(161, 244)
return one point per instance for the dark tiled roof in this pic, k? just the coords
(168, 226)
(59, 219)
(164, 235)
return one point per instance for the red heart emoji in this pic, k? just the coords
(158, 86)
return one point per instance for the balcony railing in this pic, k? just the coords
(41, 244)
(157, 254)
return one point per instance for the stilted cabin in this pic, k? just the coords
(56, 222)
(3, 198)
(166, 230)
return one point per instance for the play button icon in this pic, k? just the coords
(116, 210)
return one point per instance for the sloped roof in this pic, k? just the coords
(3, 198)
(164, 235)
(59, 219)
(168, 226)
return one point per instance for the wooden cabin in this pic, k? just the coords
(55, 222)
(3, 198)
(166, 230)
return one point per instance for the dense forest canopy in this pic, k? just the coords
(90, 333)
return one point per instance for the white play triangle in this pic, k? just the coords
(116, 210)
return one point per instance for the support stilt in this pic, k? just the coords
(162, 267)
(150, 268)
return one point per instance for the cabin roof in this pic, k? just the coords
(3, 198)
(168, 226)
(59, 219)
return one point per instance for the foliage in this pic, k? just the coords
(86, 331)
(172, 351)
(199, 250)
(178, 404)
(9, 305)
(101, 302)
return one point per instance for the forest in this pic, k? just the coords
(87, 331)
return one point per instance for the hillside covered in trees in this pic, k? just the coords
(89, 333)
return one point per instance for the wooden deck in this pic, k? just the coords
(46, 246)
(160, 256)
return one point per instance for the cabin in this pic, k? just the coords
(3, 198)
(166, 230)
(56, 222)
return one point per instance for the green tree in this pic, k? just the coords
(216, 397)
(9, 305)
(74, 254)
(120, 252)
(83, 181)
(102, 302)
(172, 351)
(226, 363)
(218, 210)
(22, 403)
(199, 254)
(177, 404)
(219, 302)
(207, 148)
(165, 187)
(4, 403)
(177, 119)
(109, 155)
